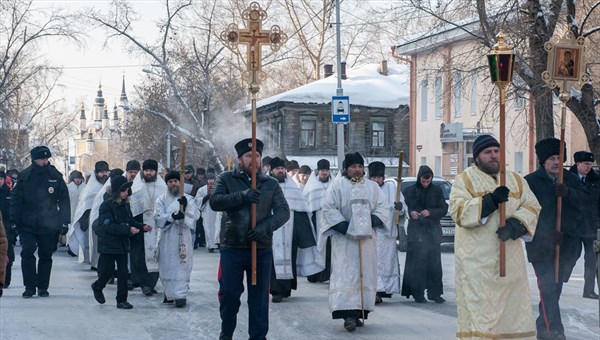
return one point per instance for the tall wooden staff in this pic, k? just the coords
(501, 61)
(398, 187)
(182, 250)
(567, 73)
(254, 37)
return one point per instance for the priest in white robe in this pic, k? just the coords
(78, 235)
(209, 216)
(388, 266)
(147, 187)
(314, 192)
(75, 186)
(175, 247)
(490, 306)
(294, 244)
(352, 208)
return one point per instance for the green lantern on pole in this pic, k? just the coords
(501, 62)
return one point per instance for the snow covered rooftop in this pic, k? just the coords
(365, 86)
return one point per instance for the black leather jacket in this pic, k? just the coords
(228, 197)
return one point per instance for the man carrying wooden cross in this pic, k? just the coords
(234, 196)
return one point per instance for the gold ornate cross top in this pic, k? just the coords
(253, 37)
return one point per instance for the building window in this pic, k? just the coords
(457, 93)
(518, 162)
(424, 90)
(308, 129)
(437, 168)
(519, 93)
(473, 93)
(378, 134)
(276, 134)
(438, 96)
(423, 160)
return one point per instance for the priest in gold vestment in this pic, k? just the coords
(490, 306)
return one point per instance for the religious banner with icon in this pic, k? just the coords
(566, 62)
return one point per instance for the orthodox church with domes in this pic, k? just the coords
(100, 133)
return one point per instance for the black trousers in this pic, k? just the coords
(589, 264)
(549, 319)
(37, 275)
(11, 257)
(232, 266)
(106, 270)
(139, 271)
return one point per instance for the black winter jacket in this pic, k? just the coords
(113, 227)
(541, 248)
(40, 201)
(227, 196)
(591, 210)
(5, 205)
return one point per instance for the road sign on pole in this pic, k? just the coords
(340, 109)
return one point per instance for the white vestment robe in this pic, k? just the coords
(490, 306)
(173, 270)
(314, 192)
(93, 238)
(353, 202)
(388, 266)
(308, 260)
(78, 240)
(209, 218)
(142, 202)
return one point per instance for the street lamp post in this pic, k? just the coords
(501, 63)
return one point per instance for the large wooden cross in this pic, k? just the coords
(254, 37)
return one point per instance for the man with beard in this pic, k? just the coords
(314, 192)
(131, 169)
(147, 187)
(41, 211)
(234, 196)
(388, 267)
(474, 202)
(78, 237)
(297, 233)
(209, 216)
(591, 181)
(352, 208)
(76, 185)
(176, 217)
(541, 250)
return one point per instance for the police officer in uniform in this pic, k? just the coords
(41, 210)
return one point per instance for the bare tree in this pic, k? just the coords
(27, 82)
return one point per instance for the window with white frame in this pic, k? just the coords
(378, 133)
(473, 93)
(424, 91)
(457, 93)
(438, 96)
(308, 132)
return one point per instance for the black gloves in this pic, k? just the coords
(398, 206)
(341, 227)
(258, 232)
(376, 222)
(492, 200)
(183, 201)
(251, 195)
(177, 216)
(561, 189)
(512, 230)
(500, 195)
(64, 229)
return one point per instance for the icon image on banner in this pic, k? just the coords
(340, 109)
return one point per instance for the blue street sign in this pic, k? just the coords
(340, 109)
